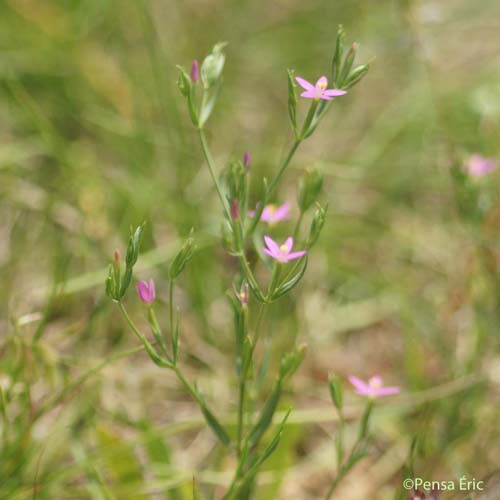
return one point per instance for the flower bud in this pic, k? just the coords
(195, 71)
(235, 178)
(291, 362)
(336, 391)
(146, 291)
(133, 246)
(317, 224)
(244, 294)
(184, 255)
(111, 286)
(348, 62)
(184, 82)
(337, 56)
(212, 66)
(309, 188)
(234, 209)
(356, 76)
(246, 161)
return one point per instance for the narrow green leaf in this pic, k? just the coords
(291, 280)
(266, 416)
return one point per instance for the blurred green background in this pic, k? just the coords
(95, 138)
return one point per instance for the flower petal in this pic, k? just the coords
(325, 97)
(152, 290)
(289, 244)
(388, 391)
(304, 83)
(282, 212)
(322, 82)
(360, 386)
(268, 252)
(334, 92)
(311, 94)
(296, 255)
(272, 245)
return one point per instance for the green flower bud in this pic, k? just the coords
(291, 361)
(336, 391)
(212, 66)
(309, 188)
(348, 62)
(337, 56)
(133, 246)
(111, 285)
(184, 255)
(235, 179)
(184, 82)
(356, 76)
(317, 224)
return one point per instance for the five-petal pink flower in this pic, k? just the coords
(273, 214)
(479, 166)
(374, 388)
(282, 253)
(318, 91)
(146, 291)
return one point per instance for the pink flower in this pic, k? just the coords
(373, 388)
(273, 214)
(281, 253)
(146, 291)
(246, 160)
(479, 166)
(195, 71)
(234, 210)
(318, 91)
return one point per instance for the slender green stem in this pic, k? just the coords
(275, 276)
(296, 230)
(333, 486)
(242, 391)
(132, 325)
(155, 328)
(340, 441)
(309, 118)
(343, 468)
(173, 333)
(157, 359)
(211, 168)
(188, 386)
(241, 412)
(283, 167)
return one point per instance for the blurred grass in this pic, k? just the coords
(94, 139)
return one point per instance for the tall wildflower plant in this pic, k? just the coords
(285, 260)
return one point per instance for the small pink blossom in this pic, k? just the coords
(246, 160)
(373, 388)
(479, 166)
(146, 291)
(318, 91)
(195, 71)
(282, 253)
(234, 209)
(273, 214)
